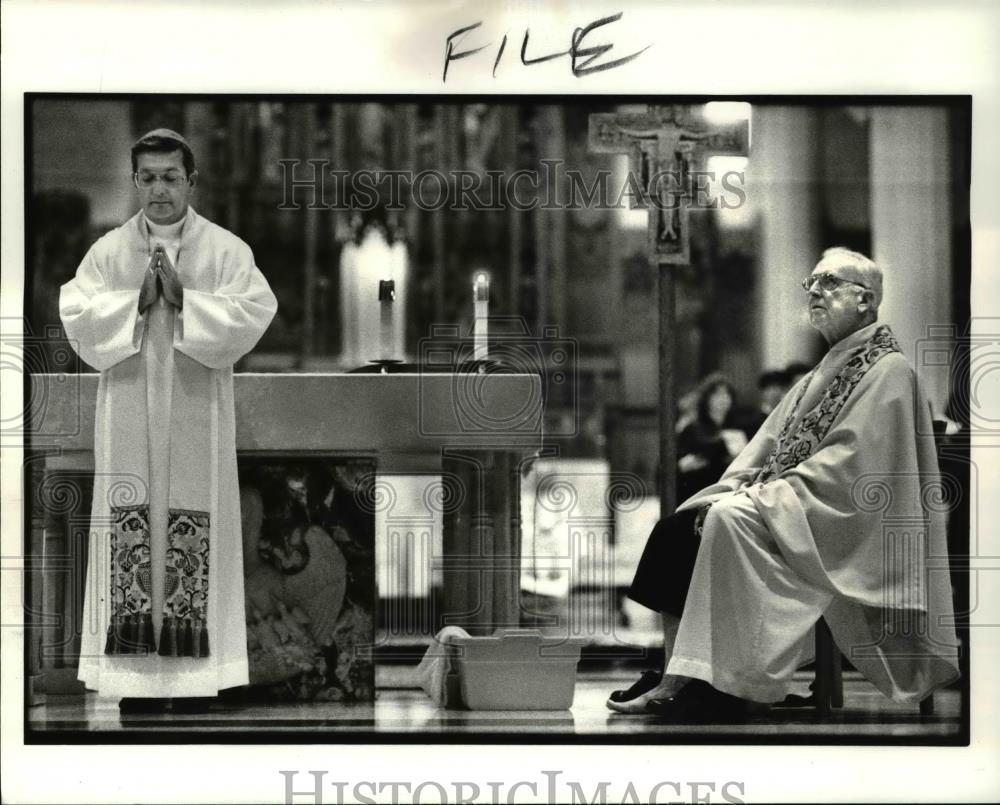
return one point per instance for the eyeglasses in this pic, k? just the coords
(828, 282)
(144, 181)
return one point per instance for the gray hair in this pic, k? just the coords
(868, 270)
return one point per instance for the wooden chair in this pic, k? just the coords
(829, 682)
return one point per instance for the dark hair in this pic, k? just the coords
(708, 386)
(797, 368)
(774, 377)
(162, 142)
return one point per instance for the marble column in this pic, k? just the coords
(782, 191)
(481, 562)
(912, 231)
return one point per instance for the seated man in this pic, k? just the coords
(827, 512)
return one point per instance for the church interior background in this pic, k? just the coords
(890, 180)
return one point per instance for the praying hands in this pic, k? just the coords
(161, 276)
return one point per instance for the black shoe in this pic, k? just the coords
(795, 702)
(234, 697)
(699, 703)
(628, 701)
(192, 704)
(132, 706)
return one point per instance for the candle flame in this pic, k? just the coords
(481, 287)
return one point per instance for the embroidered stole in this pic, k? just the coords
(795, 444)
(161, 396)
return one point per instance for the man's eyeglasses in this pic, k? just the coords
(144, 181)
(828, 282)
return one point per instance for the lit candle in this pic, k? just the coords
(386, 295)
(481, 303)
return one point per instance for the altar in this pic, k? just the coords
(474, 430)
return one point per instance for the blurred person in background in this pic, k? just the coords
(709, 442)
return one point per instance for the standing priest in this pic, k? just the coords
(164, 306)
(797, 529)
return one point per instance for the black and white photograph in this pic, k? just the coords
(481, 413)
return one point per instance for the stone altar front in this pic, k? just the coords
(475, 430)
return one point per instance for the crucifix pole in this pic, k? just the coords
(666, 479)
(664, 144)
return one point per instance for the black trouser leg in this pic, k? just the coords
(663, 576)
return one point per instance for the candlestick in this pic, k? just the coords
(386, 296)
(362, 266)
(481, 303)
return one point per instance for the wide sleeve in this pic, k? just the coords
(745, 466)
(218, 328)
(103, 326)
(827, 513)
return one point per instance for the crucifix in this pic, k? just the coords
(666, 145)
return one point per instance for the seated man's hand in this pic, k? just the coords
(699, 518)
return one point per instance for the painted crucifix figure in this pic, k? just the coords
(666, 146)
